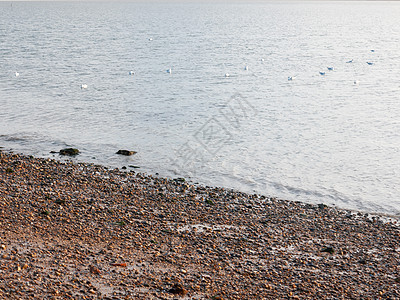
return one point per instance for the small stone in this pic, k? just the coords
(329, 250)
(179, 179)
(119, 265)
(209, 201)
(126, 152)
(135, 167)
(178, 289)
(120, 223)
(362, 261)
(94, 270)
(60, 201)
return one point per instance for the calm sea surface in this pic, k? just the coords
(332, 138)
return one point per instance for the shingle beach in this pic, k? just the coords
(80, 231)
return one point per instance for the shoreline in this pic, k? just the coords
(81, 231)
(146, 171)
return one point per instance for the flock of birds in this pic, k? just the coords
(246, 68)
(322, 73)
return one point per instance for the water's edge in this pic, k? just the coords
(385, 217)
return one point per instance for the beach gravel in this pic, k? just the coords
(82, 231)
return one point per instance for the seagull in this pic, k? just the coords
(16, 74)
(290, 78)
(83, 86)
(246, 68)
(330, 68)
(262, 59)
(150, 39)
(322, 73)
(356, 82)
(370, 63)
(350, 61)
(227, 75)
(169, 71)
(372, 50)
(131, 73)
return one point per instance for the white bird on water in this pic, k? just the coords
(16, 74)
(246, 68)
(290, 78)
(83, 86)
(131, 73)
(330, 68)
(227, 75)
(322, 73)
(356, 82)
(349, 61)
(169, 71)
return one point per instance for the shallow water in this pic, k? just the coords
(317, 138)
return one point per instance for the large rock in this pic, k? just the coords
(69, 151)
(126, 152)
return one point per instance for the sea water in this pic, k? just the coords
(202, 91)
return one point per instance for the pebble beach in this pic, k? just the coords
(81, 231)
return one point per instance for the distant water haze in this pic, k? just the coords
(202, 91)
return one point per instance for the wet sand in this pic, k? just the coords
(80, 231)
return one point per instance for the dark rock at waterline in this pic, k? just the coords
(126, 152)
(135, 167)
(69, 151)
(179, 179)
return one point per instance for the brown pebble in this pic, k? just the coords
(119, 265)
(178, 289)
(94, 270)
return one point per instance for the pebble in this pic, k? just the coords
(178, 289)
